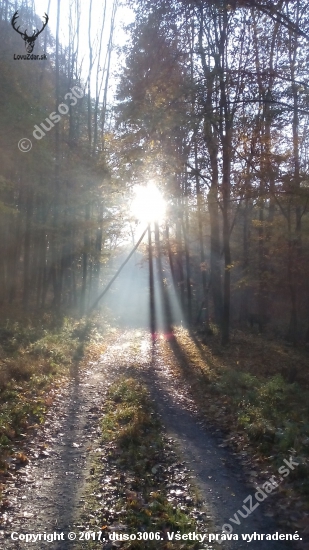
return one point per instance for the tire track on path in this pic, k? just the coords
(45, 495)
(216, 471)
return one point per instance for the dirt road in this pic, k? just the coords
(47, 493)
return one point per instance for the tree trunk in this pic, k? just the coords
(27, 244)
(85, 260)
(152, 311)
(164, 297)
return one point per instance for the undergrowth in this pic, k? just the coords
(244, 389)
(35, 354)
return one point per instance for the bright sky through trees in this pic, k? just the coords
(124, 15)
(148, 204)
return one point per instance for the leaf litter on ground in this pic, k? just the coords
(137, 482)
(246, 397)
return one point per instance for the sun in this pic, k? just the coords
(148, 204)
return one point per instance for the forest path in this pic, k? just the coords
(46, 494)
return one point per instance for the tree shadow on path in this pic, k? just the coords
(218, 475)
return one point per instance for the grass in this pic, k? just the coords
(142, 466)
(245, 389)
(35, 355)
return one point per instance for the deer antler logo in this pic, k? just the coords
(29, 40)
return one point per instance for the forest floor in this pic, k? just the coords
(143, 436)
